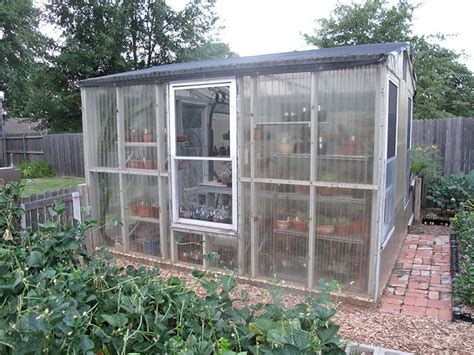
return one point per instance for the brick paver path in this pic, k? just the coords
(420, 283)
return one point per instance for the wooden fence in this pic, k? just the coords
(65, 152)
(454, 138)
(37, 207)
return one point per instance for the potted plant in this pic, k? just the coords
(287, 144)
(351, 147)
(343, 227)
(148, 164)
(136, 163)
(302, 189)
(357, 225)
(325, 226)
(144, 209)
(136, 135)
(282, 223)
(328, 191)
(134, 207)
(147, 136)
(155, 208)
(300, 222)
(181, 138)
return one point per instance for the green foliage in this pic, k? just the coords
(21, 44)
(425, 161)
(463, 226)
(58, 298)
(36, 169)
(10, 209)
(449, 191)
(105, 37)
(445, 87)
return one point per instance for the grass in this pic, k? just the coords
(41, 185)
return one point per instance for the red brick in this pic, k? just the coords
(421, 302)
(435, 280)
(400, 291)
(413, 311)
(423, 285)
(439, 304)
(432, 312)
(392, 299)
(409, 301)
(433, 295)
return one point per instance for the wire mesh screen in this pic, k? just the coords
(100, 116)
(189, 247)
(105, 199)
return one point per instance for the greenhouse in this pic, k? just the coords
(290, 166)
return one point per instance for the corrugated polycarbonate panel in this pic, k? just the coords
(342, 237)
(221, 252)
(105, 202)
(282, 115)
(101, 122)
(140, 133)
(346, 118)
(142, 210)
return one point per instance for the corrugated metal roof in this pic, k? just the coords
(278, 62)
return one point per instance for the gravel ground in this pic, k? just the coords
(367, 325)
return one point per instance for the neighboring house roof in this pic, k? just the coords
(21, 126)
(317, 59)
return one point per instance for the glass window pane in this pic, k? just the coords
(392, 120)
(202, 122)
(204, 190)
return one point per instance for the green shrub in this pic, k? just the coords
(57, 298)
(426, 162)
(463, 226)
(36, 169)
(451, 190)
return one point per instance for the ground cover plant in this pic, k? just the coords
(56, 297)
(36, 169)
(463, 226)
(449, 191)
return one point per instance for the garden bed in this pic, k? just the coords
(365, 325)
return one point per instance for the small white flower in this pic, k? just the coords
(69, 334)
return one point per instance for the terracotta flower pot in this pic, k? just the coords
(282, 224)
(325, 229)
(128, 135)
(181, 138)
(300, 225)
(287, 148)
(358, 226)
(136, 135)
(134, 207)
(148, 137)
(351, 147)
(302, 190)
(258, 133)
(327, 191)
(155, 211)
(136, 164)
(148, 164)
(343, 230)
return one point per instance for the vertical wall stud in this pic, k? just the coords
(254, 242)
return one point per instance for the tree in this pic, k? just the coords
(21, 46)
(105, 37)
(445, 87)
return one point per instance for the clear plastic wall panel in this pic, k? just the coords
(244, 123)
(346, 119)
(142, 213)
(245, 228)
(343, 236)
(101, 122)
(139, 114)
(203, 122)
(144, 237)
(140, 157)
(189, 247)
(105, 202)
(280, 125)
(221, 252)
(282, 222)
(204, 190)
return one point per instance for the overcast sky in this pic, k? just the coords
(269, 26)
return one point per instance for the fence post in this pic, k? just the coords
(76, 206)
(23, 217)
(418, 183)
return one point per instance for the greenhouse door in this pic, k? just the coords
(390, 164)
